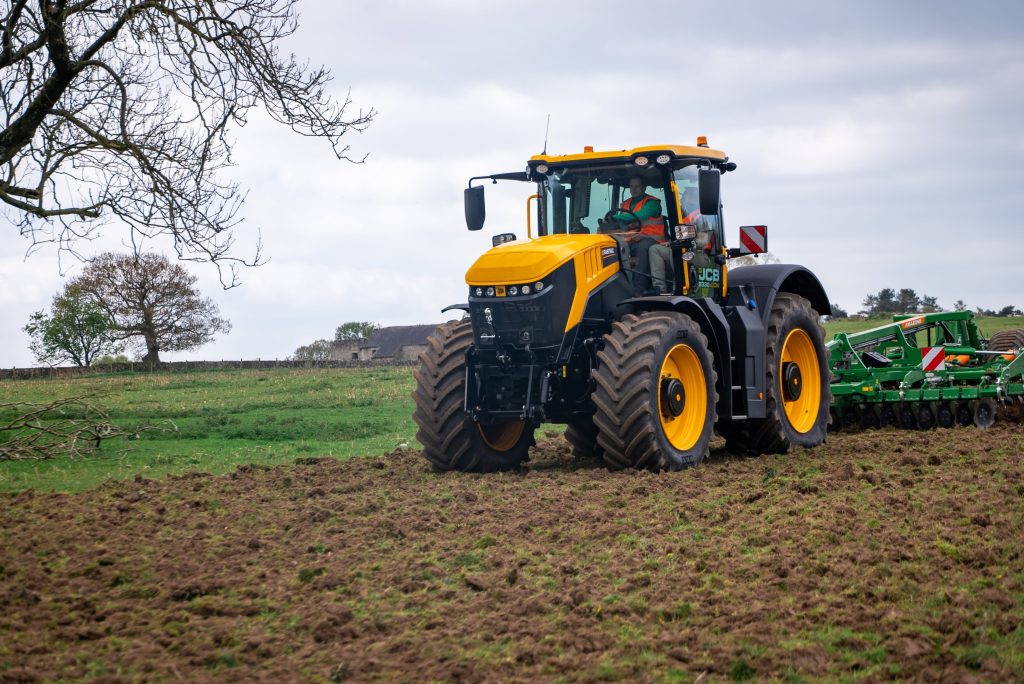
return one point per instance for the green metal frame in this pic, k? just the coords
(971, 371)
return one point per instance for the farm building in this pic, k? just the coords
(397, 342)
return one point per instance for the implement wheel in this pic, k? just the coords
(797, 390)
(451, 439)
(1007, 340)
(655, 393)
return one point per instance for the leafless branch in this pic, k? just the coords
(69, 427)
(118, 111)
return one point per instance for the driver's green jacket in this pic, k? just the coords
(650, 208)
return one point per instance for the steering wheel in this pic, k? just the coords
(608, 218)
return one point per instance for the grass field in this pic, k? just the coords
(216, 420)
(987, 324)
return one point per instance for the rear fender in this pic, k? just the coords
(764, 281)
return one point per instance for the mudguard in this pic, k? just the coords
(762, 282)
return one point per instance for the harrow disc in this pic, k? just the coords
(984, 413)
(908, 421)
(964, 414)
(925, 417)
(887, 416)
(944, 416)
(869, 418)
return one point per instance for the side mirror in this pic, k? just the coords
(710, 183)
(475, 213)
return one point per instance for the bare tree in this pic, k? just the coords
(151, 302)
(121, 109)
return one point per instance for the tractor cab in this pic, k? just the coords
(677, 206)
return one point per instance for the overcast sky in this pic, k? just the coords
(881, 142)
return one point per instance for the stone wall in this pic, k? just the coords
(184, 366)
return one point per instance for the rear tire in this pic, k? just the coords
(582, 437)
(451, 439)
(793, 337)
(655, 394)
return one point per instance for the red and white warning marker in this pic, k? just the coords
(933, 358)
(753, 239)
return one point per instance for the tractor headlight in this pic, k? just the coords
(526, 289)
(663, 159)
(538, 286)
(513, 291)
(641, 161)
(490, 292)
(541, 168)
(479, 292)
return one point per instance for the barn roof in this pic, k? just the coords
(389, 340)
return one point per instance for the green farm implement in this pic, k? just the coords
(924, 371)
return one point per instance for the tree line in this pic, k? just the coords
(124, 301)
(889, 301)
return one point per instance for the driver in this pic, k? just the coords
(642, 213)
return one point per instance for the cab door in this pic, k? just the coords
(706, 269)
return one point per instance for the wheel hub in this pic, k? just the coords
(673, 396)
(792, 383)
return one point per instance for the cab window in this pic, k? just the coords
(574, 199)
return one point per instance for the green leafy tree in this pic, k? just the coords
(838, 312)
(76, 330)
(117, 109)
(152, 303)
(319, 350)
(907, 301)
(355, 330)
(959, 305)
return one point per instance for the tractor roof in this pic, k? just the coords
(651, 150)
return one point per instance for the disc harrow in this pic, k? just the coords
(924, 371)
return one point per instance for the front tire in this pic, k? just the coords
(655, 394)
(451, 439)
(797, 391)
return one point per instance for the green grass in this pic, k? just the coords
(217, 420)
(988, 325)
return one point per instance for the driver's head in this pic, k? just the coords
(637, 186)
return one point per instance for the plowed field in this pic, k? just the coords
(881, 555)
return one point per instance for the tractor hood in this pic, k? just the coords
(531, 260)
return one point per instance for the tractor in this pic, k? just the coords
(568, 327)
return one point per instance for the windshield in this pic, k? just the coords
(573, 199)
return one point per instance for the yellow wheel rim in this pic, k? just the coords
(503, 436)
(802, 412)
(682, 364)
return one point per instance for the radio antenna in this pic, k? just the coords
(546, 129)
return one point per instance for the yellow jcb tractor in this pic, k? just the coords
(569, 327)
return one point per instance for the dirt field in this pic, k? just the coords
(880, 555)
